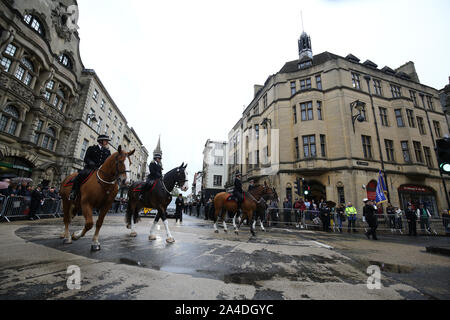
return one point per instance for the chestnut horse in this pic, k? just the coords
(252, 200)
(98, 192)
(158, 196)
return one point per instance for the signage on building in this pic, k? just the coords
(411, 188)
(362, 163)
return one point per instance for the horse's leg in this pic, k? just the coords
(153, 228)
(135, 212)
(261, 221)
(234, 223)
(251, 221)
(224, 212)
(101, 216)
(89, 222)
(216, 217)
(67, 220)
(169, 239)
(133, 233)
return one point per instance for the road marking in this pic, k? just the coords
(323, 245)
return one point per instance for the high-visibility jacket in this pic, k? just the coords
(350, 211)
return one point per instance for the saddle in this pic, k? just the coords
(231, 198)
(70, 182)
(139, 187)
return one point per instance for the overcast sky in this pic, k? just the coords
(186, 69)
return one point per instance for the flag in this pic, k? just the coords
(381, 189)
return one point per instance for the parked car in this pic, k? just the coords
(171, 208)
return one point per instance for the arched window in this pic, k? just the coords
(9, 51)
(9, 120)
(34, 24)
(24, 71)
(65, 61)
(49, 139)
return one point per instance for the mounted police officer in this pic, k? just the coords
(237, 191)
(155, 169)
(94, 158)
(251, 186)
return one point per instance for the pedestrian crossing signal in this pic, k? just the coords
(443, 154)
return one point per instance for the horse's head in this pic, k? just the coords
(268, 193)
(181, 177)
(123, 164)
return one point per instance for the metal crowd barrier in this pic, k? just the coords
(19, 207)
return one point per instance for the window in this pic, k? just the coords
(6, 64)
(50, 85)
(11, 115)
(377, 87)
(297, 150)
(383, 116)
(396, 91)
(421, 126)
(410, 115)
(399, 117)
(389, 144)
(95, 95)
(109, 113)
(65, 61)
(309, 146)
(257, 131)
(323, 146)
(120, 127)
(367, 147)
(34, 24)
(52, 135)
(405, 150)
(20, 72)
(89, 117)
(10, 50)
(294, 110)
(418, 151)
(99, 125)
(319, 82)
(84, 148)
(265, 101)
(102, 105)
(428, 158)
(305, 84)
(355, 81)
(413, 96)
(307, 111)
(117, 140)
(217, 181)
(106, 129)
(115, 120)
(112, 135)
(24, 71)
(437, 129)
(341, 197)
(319, 110)
(218, 161)
(293, 88)
(37, 132)
(430, 103)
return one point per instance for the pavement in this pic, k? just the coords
(281, 264)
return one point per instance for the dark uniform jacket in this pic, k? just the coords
(238, 186)
(371, 214)
(95, 157)
(155, 171)
(411, 214)
(179, 203)
(36, 198)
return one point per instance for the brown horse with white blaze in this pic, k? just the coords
(252, 200)
(98, 192)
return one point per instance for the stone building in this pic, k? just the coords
(214, 171)
(444, 95)
(51, 107)
(336, 122)
(39, 86)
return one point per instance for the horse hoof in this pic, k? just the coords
(170, 240)
(74, 237)
(67, 241)
(95, 247)
(62, 236)
(151, 237)
(128, 226)
(217, 231)
(133, 234)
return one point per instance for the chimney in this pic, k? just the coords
(256, 88)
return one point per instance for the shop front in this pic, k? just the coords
(14, 166)
(416, 195)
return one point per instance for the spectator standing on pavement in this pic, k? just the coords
(179, 203)
(297, 205)
(37, 198)
(199, 204)
(12, 190)
(370, 215)
(411, 217)
(5, 187)
(390, 211)
(351, 213)
(273, 211)
(424, 217)
(287, 206)
(398, 219)
(190, 208)
(340, 216)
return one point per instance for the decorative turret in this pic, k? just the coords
(304, 47)
(157, 151)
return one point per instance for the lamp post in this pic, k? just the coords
(360, 107)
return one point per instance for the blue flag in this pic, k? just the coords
(381, 189)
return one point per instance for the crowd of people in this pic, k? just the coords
(34, 197)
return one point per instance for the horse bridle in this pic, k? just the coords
(116, 177)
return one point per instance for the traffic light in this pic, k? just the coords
(443, 154)
(306, 188)
(297, 186)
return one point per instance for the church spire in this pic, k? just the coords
(304, 45)
(158, 150)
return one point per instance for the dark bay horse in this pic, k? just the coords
(252, 200)
(98, 192)
(158, 197)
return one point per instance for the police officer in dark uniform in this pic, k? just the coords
(237, 191)
(155, 168)
(251, 186)
(94, 158)
(370, 213)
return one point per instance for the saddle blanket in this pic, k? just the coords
(70, 182)
(140, 185)
(230, 197)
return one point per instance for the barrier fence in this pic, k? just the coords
(19, 207)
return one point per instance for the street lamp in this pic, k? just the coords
(360, 107)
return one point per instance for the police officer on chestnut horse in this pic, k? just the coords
(237, 191)
(94, 158)
(155, 169)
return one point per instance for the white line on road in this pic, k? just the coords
(323, 245)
